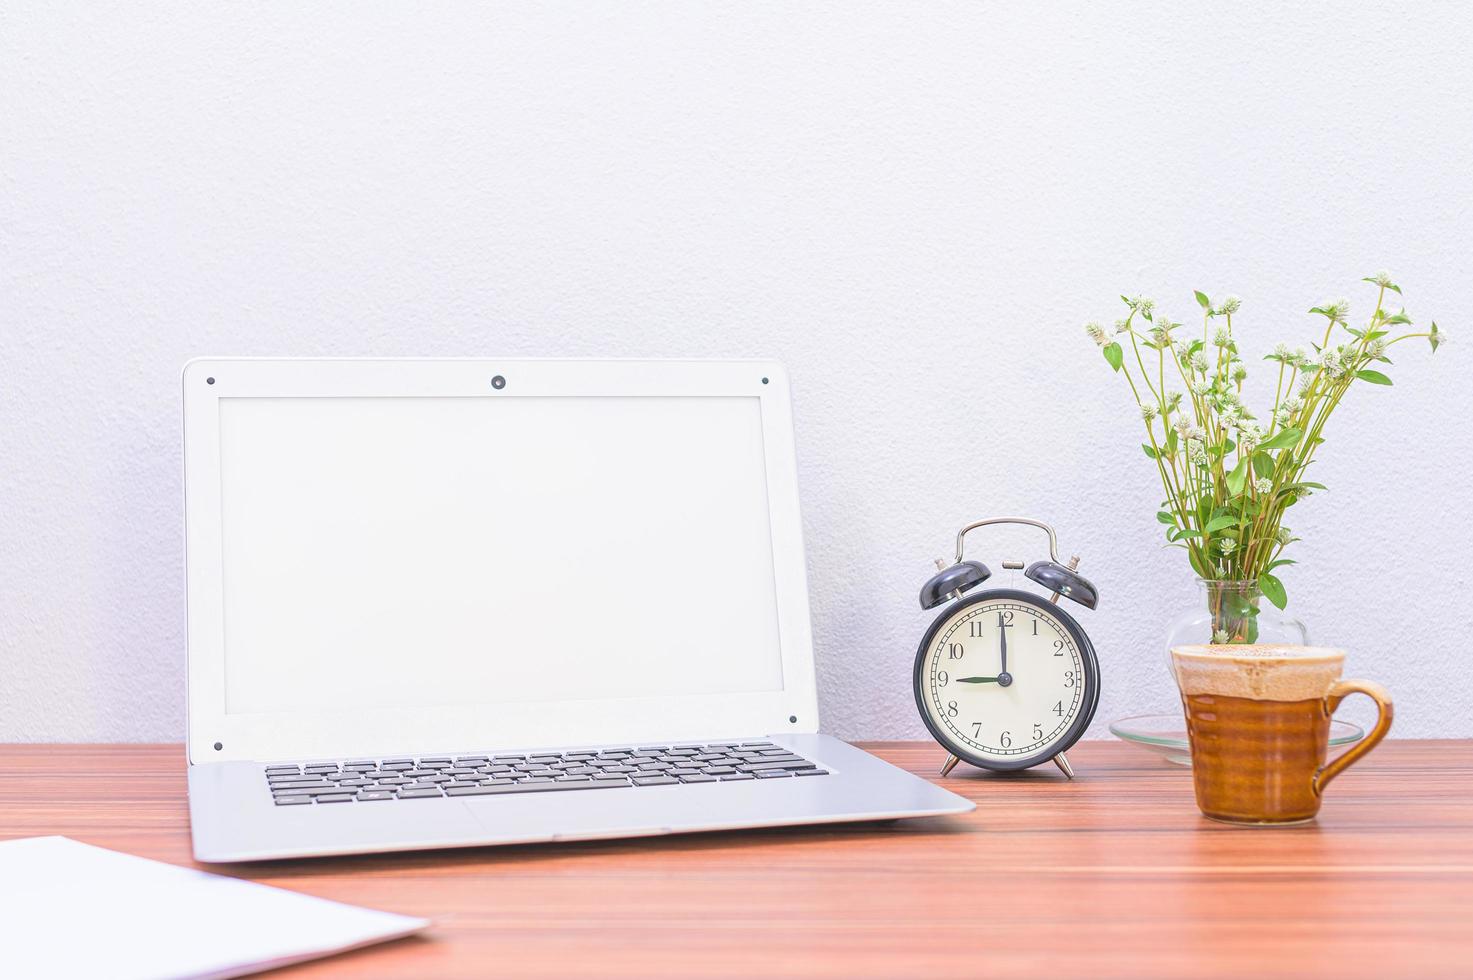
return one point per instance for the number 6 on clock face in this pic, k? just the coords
(1006, 680)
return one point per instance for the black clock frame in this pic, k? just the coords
(1086, 655)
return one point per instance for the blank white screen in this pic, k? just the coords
(415, 551)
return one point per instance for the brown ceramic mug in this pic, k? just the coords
(1258, 719)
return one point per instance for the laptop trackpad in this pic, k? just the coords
(575, 815)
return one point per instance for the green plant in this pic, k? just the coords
(1229, 476)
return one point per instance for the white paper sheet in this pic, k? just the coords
(69, 909)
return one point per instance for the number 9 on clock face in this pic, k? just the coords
(1007, 680)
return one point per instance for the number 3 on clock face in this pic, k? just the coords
(1006, 680)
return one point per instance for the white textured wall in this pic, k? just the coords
(914, 205)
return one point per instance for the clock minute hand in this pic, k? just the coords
(1002, 631)
(976, 680)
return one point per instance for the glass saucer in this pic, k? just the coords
(1166, 735)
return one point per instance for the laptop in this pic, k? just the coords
(450, 603)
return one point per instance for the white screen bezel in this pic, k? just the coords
(480, 727)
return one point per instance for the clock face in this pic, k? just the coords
(1006, 680)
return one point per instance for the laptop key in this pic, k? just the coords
(771, 773)
(367, 796)
(335, 798)
(765, 766)
(292, 800)
(408, 793)
(737, 777)
(551, 786)
(811, 772)
(697, 777)
(271, 769)
(658, 779)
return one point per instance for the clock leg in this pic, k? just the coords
(950, 764)
(1063, 764)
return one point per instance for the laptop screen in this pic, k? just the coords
(389, 552)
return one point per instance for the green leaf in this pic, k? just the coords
(1114, 355)
(1149, 451)
(1303, 485)
(1185, 533)
(1285, 439)
(1390, 285)
(1202, 299)
(1239, 606)
(1198, 565)
(1279, 561)
(1238, 477)
(1218, 523)
(1165, 518)
(1263, 464)
(1171, 442)
(1273, 589)
(1433, 337)
(1374, 377)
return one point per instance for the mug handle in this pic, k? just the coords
(1338, 692)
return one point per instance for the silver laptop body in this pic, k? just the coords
(447, 603)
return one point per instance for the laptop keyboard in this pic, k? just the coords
(432, 777)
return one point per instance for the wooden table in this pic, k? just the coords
(1114, 874)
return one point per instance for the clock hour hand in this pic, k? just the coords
(976, 680)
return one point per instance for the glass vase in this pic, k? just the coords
(1230, 611)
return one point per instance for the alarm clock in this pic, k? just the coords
(1004, 678)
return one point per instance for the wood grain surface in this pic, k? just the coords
(1114, 874)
